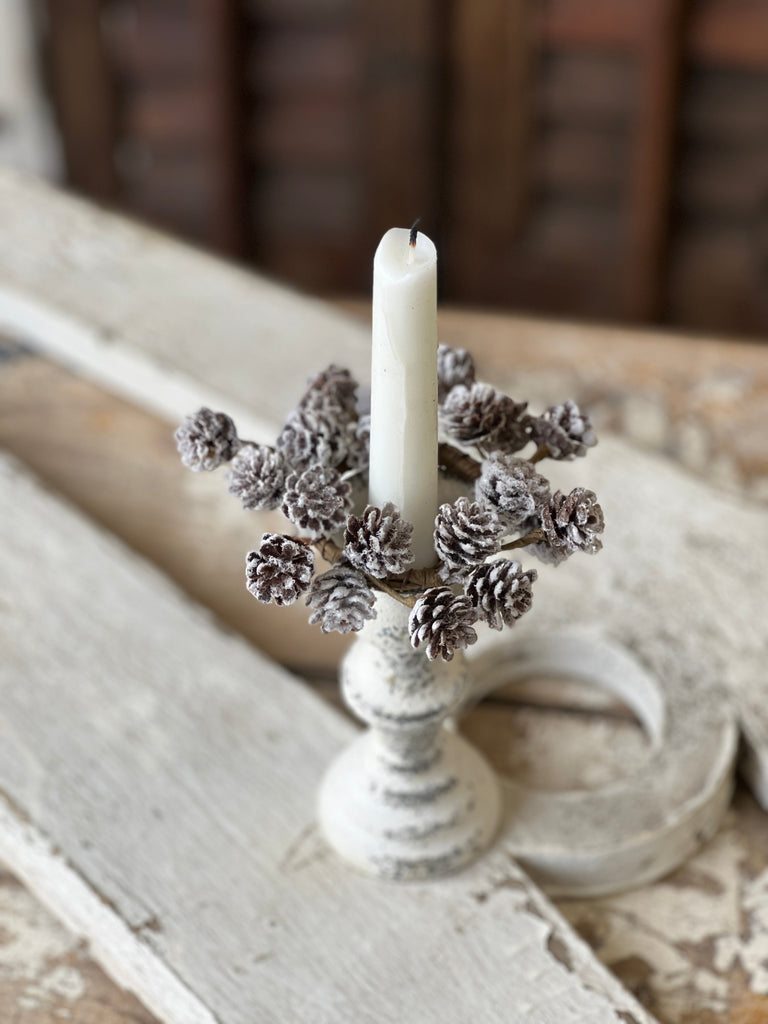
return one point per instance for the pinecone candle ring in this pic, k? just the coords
(409, 799)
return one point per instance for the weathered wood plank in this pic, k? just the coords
(77, 277)
(186, 853)
(154, 320)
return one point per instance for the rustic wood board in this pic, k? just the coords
(157, 321)
(120, 464)
(158, 781)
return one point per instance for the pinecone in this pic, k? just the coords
(466, 533)
(280, 570)
(443, 621)
(512, 487)
(564, 429)
(317, 501)
(500, 591)
(332, 388)
(571, 523)
(206, 440)
(311, 437)
(256, 476)
(341, 599)
(454, 366)
(379, 542)
(480, 415)
(359, 443)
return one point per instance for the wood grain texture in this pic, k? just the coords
(701, 401)
(46, 973)
(97, 310)
(120, 465)
(133, 822)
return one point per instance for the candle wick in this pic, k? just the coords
(412, 239)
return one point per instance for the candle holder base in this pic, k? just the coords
(409, 799)
(415, 823)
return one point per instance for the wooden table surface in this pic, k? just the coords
(682, 945)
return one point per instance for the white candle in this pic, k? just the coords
(404, 384)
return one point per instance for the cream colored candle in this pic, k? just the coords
(404, 384)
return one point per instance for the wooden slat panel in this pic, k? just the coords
(180, 115)
(733, 33)
(650, 180)
(310, 132)
(83, 91)
(579, 161)
(715, 183)
(401, 114)
(292, 63)
(575, 87)
(596, 23)
(728, 107)
(155, 39)
(491, 50)
(717, 277)
(221, 26)
(301, 14)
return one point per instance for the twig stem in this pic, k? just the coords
(534, 537)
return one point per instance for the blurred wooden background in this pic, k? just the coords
(592, 158)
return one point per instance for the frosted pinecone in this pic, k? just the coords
(571, 522)
(455, 366)
(341, 600)
(564, 429)
(280, 570)
(317, 501)
(333, 388)
(379, 542)
(359, 443)
(481, 415)
(312, 437)
(500, 591)
(512, 487)
(443, 622)
(466, 533)
(206, 439)
(256, 476)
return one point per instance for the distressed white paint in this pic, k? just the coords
(27, 140)
(637, 829)
(684, 570)
(158, 779)
(156, 321)
(408, 799)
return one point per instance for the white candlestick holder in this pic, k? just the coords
(408, 799)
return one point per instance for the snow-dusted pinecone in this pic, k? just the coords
(500, 591)
(359, 443)
(516, 432)
(206, 439)
(280, 570)
(317, 501)
(454, 366)
(256, 476)
(312, 437)
(571, 522)
(333, 387)
(481, 415)
(466, 533)
(564, 429)
(443, 622)
(379, 542)
(512, 487)
(341, 600)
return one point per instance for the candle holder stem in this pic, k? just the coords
(408, 799)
